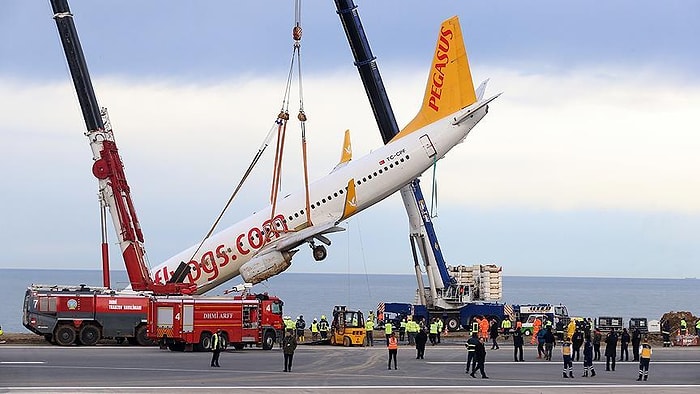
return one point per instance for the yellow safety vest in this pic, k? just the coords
(369, 325)
(433, 328)
(646, 351)
(387, 328)
(314, 327)
(505, 323)
(566, 348)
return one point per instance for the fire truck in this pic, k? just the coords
(188, 322)
(84, 315)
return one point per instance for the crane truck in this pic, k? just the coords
(453, 293)
(65, 314)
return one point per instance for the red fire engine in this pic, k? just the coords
(188, 322)
(68, 314)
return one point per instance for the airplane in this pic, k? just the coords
(261, 246)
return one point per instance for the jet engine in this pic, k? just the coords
(266, 266)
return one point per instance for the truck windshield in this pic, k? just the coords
(277, 308)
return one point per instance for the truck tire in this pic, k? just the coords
(452, 324)
(89, 335)
(142, 337)
(65, 335)
(269, 340)
(527, 332)
(205, 342)
(347, 342)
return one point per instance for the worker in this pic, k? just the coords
(1, 340)
(697, 328)
(412, 329)
(471, 351)
(421, 339)
(314, 330)
(300, 327)
(577, 342)
(518, 342)
(475, 325)
(644, 358)
(480, 354)
(566, 354)
(684, 326)
(388, 330)
(402, 329)
(610, 350)
(505, 327)
(666, 333)
(369, 329)
(484, 329)
(289, 324)
(393, 346)
(540, 343)
(370, 316)
(549, 341)
(440, 327)
(597, 338)
(323, 327)
(217, 344)
(289, 344)
(636, 341)
(536, 326)
(433, 332)
(624, 345)
(493, 333)
(571, 328)
(588, 358)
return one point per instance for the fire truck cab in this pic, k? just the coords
(188, 322)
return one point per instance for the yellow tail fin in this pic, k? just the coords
(450, 87)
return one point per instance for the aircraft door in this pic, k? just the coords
(428, 146)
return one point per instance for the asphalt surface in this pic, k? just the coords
(149, 369)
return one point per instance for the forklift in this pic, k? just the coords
(348, 327)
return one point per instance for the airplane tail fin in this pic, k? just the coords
(450, 87)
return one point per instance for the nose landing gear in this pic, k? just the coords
(319, 252)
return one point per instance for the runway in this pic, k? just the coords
(138, 369)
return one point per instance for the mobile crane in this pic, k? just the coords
(449, 289)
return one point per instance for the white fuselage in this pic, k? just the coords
(377, 175)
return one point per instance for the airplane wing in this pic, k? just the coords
(308, 234)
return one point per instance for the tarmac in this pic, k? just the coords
(133, 369)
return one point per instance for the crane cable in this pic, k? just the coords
(280, 124)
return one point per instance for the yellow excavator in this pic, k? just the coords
(348, 327)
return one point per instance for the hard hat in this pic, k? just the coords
(323, 316)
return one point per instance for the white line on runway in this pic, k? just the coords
(559, 362)
(22, 362)
(346, 388)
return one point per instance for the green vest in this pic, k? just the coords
(440, 324)
(314, 327)
(433, 328)
(388, 328)
(369, 325)
(505, 323)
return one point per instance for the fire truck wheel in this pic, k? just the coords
(204, 343)
(268, 340)
(65, 335)
(142, 337)
(347, 342)
(89, 335)
(452, 324)
(527, 332)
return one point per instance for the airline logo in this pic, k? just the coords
(441, 60)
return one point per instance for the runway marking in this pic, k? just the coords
(559, 362)
(22, 362)
(346, 388)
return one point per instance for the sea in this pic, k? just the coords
(315, 294)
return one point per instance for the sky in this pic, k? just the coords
(587, 165)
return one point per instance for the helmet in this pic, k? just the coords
(323, 316)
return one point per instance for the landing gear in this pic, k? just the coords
(319, 252)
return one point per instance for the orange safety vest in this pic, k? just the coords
(393, 343)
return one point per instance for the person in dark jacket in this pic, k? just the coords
(636, 340)
(588, 358)
(289, 344)
(471, 351)
(549, 341)
(624, 345)
(540, 343)
(597, 338)
(518, 342)
(610, 350)
(480, 360)
(493, 333)
(577, 342)
(217, 345)
(421, 339)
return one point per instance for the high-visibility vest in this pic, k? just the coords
(433, 328)
(402, 326)
(505, 323)
(323, 325)
(566, 348)
(683, 323)
(646, 351)
(388, 328)
(215, 342)
(697, 325)
(393, 343)
(440, 324)
(314, 327)
(475, 326)
(369, 325)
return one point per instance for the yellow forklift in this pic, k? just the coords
(348, 327)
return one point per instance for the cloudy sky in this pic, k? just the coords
(587, 165)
